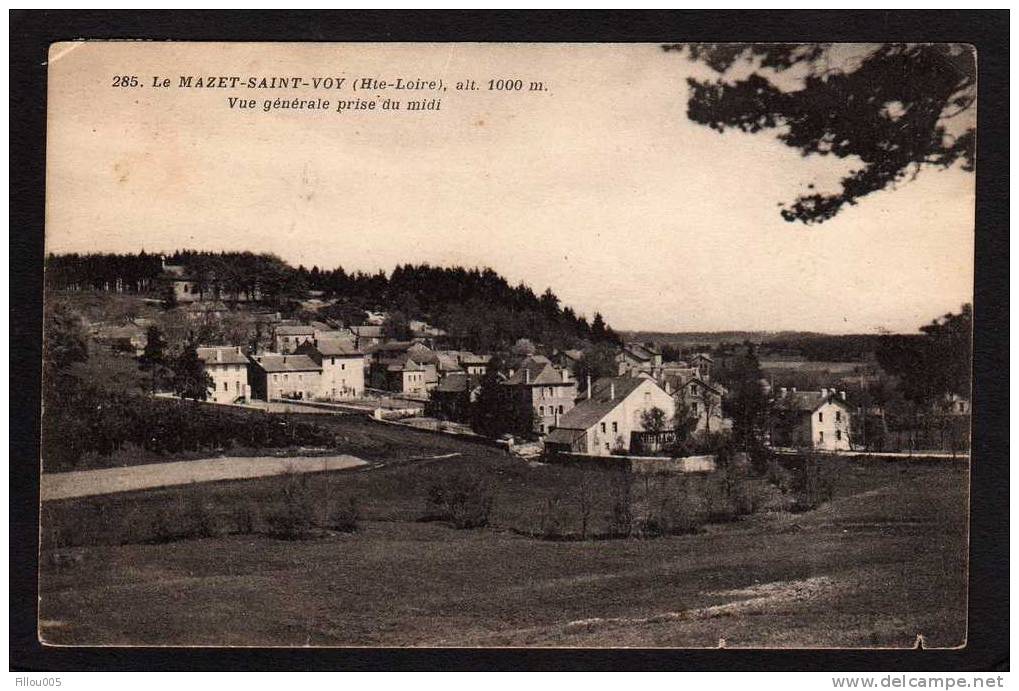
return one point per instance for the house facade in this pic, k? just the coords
(548, 390)
(276, 376)
(639, 358)
(604, 420)
(342, 367)
(403, 375)
(703, 401)
(452, 398)
(812, 420)
(287, 337)
(228, 368)
(474, 365)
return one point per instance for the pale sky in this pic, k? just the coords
(599, 187)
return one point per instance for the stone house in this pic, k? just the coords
(812, 419)
(342, 367)
(286, 337)
(276, 376)
(228, 367)
(550, 391)
(637, 358)
(703, 400)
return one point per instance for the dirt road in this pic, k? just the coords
(87, 483)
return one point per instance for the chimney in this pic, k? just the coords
(219, 355)
(783, 391)
(794, 389)
(824, 392)
(527, 375)
(842, 395)
(566, 375)
(589, 387)
(612, 391)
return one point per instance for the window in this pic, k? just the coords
(343, 365)
(226, 386)
(838, 435)
(560, 410)
(603, 431)
(838, 416)
(820, 436)
(615, 427)
(332, 361)
(820, 417)
(541, 410)
(693, 407)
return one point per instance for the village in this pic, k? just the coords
(231, 402)
(553, 401)
(631, 410)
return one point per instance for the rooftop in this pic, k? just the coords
(286, 363)
(606, 394)
(222, 355)
(298, 330)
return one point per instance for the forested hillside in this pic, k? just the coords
(477, 307)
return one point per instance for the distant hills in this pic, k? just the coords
(686, 339)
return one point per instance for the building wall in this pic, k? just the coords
(342, 377)
(614, 429)
(229, 382)
(550, 403)
(413, 383)
(709, 417)
(829, 428)
(287, 343)
(304, 385)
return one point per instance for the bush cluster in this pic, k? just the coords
(463, 500)
(92, 420)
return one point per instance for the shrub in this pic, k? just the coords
(672, 506)
(814, 482)
(552, 516)
(620, 518)
(462, 500)
(345, 517)
(777, 475)
(293, 518)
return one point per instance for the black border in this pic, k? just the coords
(31, 32)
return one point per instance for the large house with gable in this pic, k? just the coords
(603, 422)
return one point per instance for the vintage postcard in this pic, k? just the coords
(507, 345)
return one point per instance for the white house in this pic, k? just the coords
(812, 419)
(228, 367)
(342, 367)
(603, 420)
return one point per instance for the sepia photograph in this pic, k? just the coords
(507, 345)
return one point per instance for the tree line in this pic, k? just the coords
(477, 307)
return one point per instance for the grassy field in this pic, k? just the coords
(882, 562)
